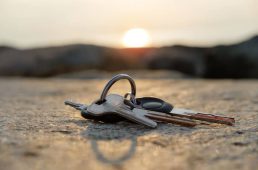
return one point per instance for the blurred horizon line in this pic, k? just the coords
(237, 41)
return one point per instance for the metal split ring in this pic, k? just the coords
(132, 98)
(113, 81)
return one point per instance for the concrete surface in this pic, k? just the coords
(37, 131)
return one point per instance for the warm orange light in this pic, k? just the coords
(136, 37)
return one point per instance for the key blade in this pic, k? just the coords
(77, 106)
(167, 118)
(173, 120)
(214, 118)
(137, 115)
(72, 104)
(202, 116)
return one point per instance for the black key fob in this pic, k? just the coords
(107, 118)
(154, 104)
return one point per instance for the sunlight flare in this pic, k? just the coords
(136, 37)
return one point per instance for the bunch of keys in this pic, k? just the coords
(147, 111)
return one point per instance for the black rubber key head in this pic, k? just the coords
(154, 104)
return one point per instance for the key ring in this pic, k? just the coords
(132, 98)
(113, 81)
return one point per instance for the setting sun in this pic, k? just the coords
(136, 37)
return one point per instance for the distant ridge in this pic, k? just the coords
(238, 60)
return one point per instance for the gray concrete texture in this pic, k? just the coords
(37, 131)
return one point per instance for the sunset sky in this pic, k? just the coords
(32, 23)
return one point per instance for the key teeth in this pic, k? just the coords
(215, 118)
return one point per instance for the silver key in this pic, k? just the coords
(115, 103)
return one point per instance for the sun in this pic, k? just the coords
(136, 37)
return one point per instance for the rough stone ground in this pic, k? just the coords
(38, 132)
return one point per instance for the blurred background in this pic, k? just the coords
(146, 38)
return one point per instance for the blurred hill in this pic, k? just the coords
(223, 61)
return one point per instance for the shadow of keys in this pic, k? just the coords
(124, 137)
